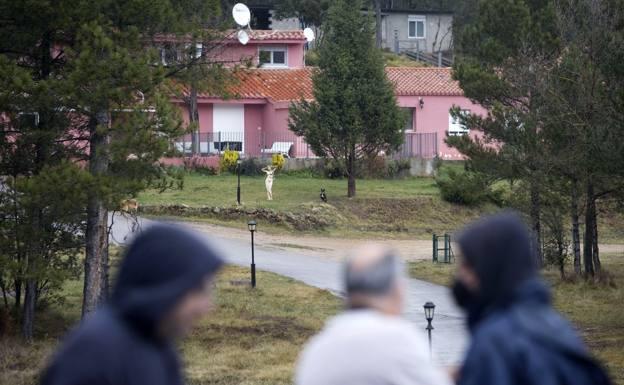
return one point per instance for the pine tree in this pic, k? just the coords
(502, 57)
(82, 84)
(355, 112)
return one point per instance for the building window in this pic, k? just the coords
(169, 55)
(416, 27)
(409, 120)
(273, 57)
(28, 119)
(455, 126)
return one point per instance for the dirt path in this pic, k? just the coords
(336, 248)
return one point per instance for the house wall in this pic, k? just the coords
(440, 24)
(266, 122)
(254, 116)
(235, 53)
(434, 117)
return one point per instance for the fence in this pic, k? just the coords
(419, 145)
(265, 144)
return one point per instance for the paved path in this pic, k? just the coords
(449, 337)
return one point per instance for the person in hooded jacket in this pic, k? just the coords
(163, 288)
(517, 337)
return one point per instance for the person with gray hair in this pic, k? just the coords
(369, 343)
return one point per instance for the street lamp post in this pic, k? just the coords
(238, 165)
(429, 312)
(252, 230)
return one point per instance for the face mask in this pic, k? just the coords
(462, 295)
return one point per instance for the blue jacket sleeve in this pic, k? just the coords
(486, 364)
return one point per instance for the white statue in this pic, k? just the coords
(268, 182)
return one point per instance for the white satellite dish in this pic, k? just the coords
(242, 15)
(243, 37)
(309, 34)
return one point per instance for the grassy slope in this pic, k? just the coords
(406, 208)
(594, 308)
(253, 337)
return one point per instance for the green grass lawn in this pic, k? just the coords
(289, 192)
(595, 309)
(253, 337)
(409, 208)
(402, 208)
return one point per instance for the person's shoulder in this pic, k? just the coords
(100, 336)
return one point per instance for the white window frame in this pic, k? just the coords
(163, 55)
(415, 19)
(272, 49)
(455, 127)
(34, 114)
(413, 117)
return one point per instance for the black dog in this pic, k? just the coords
(323, 195)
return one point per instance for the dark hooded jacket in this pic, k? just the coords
(119, 344)
(517, 338)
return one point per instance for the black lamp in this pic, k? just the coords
(239, 161)
(429, 312)
(252, 229)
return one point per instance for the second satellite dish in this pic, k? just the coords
(243, 37)
(241, 14)
(309, 34)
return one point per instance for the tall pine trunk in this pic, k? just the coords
(536, 226)
(378, 32)
(351, 174)
(194, 119)
(28, 314)
(595, 250)
(576, 235)
(96, 258)
(17, 285)
(588, 246)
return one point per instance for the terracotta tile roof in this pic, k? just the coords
(423, 81)
(260, 35)
(231, 35)
(293, 84)
(275, 84)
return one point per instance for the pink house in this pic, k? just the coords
(255, 122)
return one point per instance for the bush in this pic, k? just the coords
(465, 188)
(251, 167)
(202, 165)
(381, 167)
(312, 58)
(334, 169)
(228, 161)
(278, 161)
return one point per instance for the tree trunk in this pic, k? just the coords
(595, 249)
(536, 223)
(194, 119)
(18, 295)
(588, 247)
(4, 294)
(576, 237)
(28, 315)
(96, 258)
(377, 4)
(561, 253)
(351, 176)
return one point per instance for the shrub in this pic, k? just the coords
(381, 167)
(334, 169)
(228, 161)
(278, 161)
(202, 165)
(466, 188)
(251, 167)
